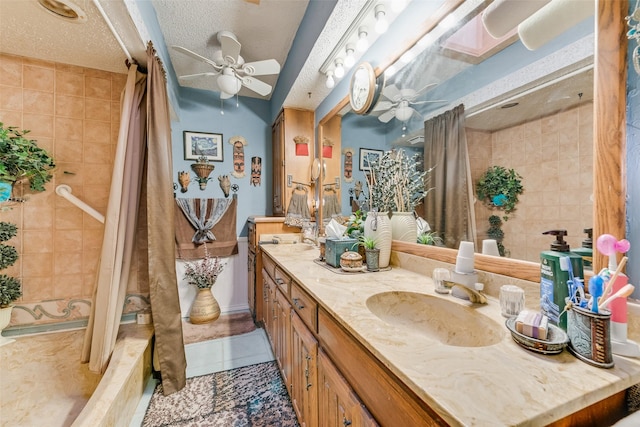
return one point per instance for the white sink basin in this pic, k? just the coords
(436, 318)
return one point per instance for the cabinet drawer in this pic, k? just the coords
(269, 265)
(305, 306)
(282, 279)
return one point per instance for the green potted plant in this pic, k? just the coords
(372, 253)
(10, 287)
(22, 159)
(499, 188)
(495, 232)
(430, 238)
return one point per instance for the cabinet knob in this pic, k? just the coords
(346, 422)
(296, 302)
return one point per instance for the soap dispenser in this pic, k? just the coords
(586, 251)
(554, 289)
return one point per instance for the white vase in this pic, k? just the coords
(5, 318)
(404, 227)
(377, 226)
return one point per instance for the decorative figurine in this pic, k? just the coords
(225, 184)
(238, 143)
(184, 178)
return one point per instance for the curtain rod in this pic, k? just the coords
(113, 30)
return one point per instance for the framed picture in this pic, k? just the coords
(198, 144)
(367, 156)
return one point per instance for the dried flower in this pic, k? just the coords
(204, 273)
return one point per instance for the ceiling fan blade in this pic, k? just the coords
(407, 94)
(424, 89)
(383, 105)
(261, 68)
(230, 46)
(427, 102)
(195, 76)
(256, 85)
(195, 56)
(387, 115)
(391, 92)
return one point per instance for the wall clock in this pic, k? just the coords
(365, 88)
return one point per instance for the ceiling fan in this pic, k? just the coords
(399, 103)
(233, 73)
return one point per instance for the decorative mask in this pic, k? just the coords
(358, 189)
(225, 184)
(256, 170)
(238, 143)
(184, 178)
(348, 165)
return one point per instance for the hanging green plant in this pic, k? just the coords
(499, 188)
(23, 159)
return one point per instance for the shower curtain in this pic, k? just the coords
(449, 206)
(144, 139)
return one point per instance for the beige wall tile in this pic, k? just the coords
(68, 151)
(37, 217)
(100, 175)
(10, 70)
(68, 263)
(69, 106)
(11, 118)
(68, 219)
(38, 102)
(10, 97)
(37, 242)
(38, 288)
(68, 240)
(38, 78)
(97, 131)
(69, 83)
(97, 153)
(96, 87)
(97, 109)
(68, 285)
(69, 129)
(40, 125)
(37, 265)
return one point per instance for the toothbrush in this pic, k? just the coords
(624, 291)
(596, 283)
(612, 280)
(565, 265)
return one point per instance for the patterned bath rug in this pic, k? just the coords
(250, 396)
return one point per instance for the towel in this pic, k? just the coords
(221, 238)
(298, 211)
(331, 208)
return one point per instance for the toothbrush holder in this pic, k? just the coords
(590, 336)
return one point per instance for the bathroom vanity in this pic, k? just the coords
(385, 349)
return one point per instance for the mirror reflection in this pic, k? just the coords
(507, 106)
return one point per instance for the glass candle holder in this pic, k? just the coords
(439, 276)
(511, 300)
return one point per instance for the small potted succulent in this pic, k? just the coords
(372, 253)
(430, 238)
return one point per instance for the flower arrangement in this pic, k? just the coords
(355, 224)
(395, 183)
(204, 274)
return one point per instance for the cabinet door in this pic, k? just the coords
(304, 392)
(283, 337)
(277, 145)
(338, 406)
(251, 267)
(270, 315)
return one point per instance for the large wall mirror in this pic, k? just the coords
(546, 113)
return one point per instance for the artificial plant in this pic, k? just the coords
(495, 232)
(10, 288)
(499, 188)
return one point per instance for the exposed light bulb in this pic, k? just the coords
(381, 19)
(330, 83)
(350, 59)
(362, 43)
(339, 71)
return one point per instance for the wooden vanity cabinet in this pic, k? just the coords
(304, 390)
(258, 225)
(337, 403)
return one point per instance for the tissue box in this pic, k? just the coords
(336, 247)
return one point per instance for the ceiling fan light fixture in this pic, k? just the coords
(381, 20)
(228, 83)
(330, 82)
(362, 44)
(404, 113)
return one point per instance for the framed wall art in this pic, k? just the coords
(198, 144)
(367, 156)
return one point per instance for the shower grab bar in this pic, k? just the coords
(65, 191)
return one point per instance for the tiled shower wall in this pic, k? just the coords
(554, 156)
(73, 113)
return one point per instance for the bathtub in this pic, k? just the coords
(44, 383)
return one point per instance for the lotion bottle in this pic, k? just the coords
(554, 289)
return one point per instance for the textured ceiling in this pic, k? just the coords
(27, 29)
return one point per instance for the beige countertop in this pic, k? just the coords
(499, 384)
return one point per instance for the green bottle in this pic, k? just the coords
(554, 289)
(586, 251)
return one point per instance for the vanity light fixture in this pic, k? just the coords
(362, 44)
(381, 20)
(339, 70)
(350, 59)
(330, 83)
